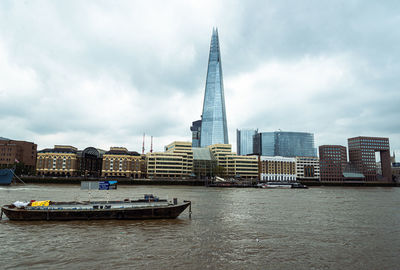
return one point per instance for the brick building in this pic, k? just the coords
(332, 161)
(21, 154)
(362, 155)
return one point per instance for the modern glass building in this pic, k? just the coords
(294, 144)
(264, 144)
(213, 126)
(196, 129)
(285, 144)
(244, 141)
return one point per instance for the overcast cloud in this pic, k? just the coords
(102, 73)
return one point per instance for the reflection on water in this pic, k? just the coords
(318, 228)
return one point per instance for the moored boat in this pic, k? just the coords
(147, 208)
(281, 185)
(6, 176)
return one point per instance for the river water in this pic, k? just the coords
(230, 228)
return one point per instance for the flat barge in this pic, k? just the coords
(127, 209)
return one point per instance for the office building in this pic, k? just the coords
(196, 132)
(264, 144)
(294, 144)
(285, 144)
(213, 119)
(167, 165)
(274, 168)
(244, 141)
(307, 168)
(362, 155)
(233, 165)
(19, 154)
(332, 162)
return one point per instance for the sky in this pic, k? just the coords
(103, 73)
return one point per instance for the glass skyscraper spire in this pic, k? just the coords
(213, 120)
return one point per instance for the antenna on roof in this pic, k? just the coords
(143, 144)
(151, 147)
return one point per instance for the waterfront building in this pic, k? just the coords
(58, 161)
(307, 168)
(119, 162)
(175, 162)
(332, 162)
(14, 153)
(167, 165)
(213, 119)
(184, 148)
(90, 162)
(276, 168)
(244, 166)
(285, 144)
(196, 132)
(234, 165)
(244, 141)
(362, 155)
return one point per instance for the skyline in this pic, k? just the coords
(102, 74)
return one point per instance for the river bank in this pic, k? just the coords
(184, 182)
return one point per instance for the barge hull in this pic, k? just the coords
(167, 212)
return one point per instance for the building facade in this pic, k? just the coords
(294, 144)
(19, 154)
(204, 163)
(213, 119)
(233, 165)
(196, 132)
(307, 168)
(362, 155)
(332, 162)
(90, 162)
(264, 143)
(58, 161)
(167, 165)
(285, 144)
(396, 171)
(244, 141)
(119, 162)
(276, 168)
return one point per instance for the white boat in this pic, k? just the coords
(281, 185)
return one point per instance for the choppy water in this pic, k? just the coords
(318, 228)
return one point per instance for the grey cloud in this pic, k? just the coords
(63, 44)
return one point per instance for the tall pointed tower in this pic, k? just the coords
(213, 120)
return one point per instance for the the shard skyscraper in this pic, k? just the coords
(213, 120)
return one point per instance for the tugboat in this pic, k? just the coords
(150, 207)
(6, 176)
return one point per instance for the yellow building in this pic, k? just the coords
(184, 148)
(276, 168)
(119, 162)
(167, 165)
(234, 165)
(59, 161)
(177, 162)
